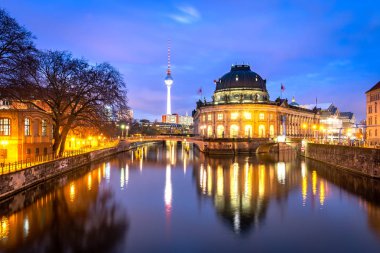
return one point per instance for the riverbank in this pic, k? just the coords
(20, 180)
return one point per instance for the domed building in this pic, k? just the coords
(241, 108)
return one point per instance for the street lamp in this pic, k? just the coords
(122, 130)
(127, 130)
(304, 127)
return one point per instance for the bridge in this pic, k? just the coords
(222, 146)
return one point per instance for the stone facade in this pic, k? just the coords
(25, 133)
(254, 120)
(241, 108)
(373, 113)
(365, 161)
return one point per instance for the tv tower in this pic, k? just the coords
(168, 83)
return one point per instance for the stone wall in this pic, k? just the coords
(365, 161)
(20, 180)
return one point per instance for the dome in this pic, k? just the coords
(241, 77)
(294, 103)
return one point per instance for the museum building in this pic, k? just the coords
(241, 108)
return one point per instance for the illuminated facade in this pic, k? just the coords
(25, 132)
(240, 108)
(177, 119)
(334, 124)
(373, 113)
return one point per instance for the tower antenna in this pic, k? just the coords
(168, 71)
(168, 83)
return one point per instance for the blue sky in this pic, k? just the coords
(324, 49)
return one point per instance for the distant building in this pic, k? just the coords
(177, 119)
(166, 127)
(372, 117)
(241, 107)
(334, 125)
(25, 132)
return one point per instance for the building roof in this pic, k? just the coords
(348, 115)
(375, 87)
(322, 106)
(241, 76)
(294, 103)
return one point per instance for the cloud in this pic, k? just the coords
(186, 15)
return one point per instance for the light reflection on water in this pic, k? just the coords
(220, 203)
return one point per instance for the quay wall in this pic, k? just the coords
(17, 181)
(365, 161)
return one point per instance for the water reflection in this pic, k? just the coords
(242, 188)
(78, 217)
(278, 194)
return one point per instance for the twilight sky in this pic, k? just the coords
(324, 49)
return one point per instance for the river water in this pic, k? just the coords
(171, 198)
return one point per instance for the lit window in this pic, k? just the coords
(261, 116)
(247, 115)
(5, 126)
(204, 117)
(234, 115)
(27, 127)
(220, 116)
(44, 127)
(209, 117)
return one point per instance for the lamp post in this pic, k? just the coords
(127, 130)
(315, 132)
(122, 131)
(304, 127)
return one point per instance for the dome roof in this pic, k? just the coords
(294, 103)
(241, 77)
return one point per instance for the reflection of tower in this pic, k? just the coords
(168, 83)
(168, 191)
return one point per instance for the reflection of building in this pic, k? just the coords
(25, 132)
(242, 190)
(241, 107)
(373, 126)
(67, 216)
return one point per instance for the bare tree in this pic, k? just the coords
(74, 92)
(16, 48)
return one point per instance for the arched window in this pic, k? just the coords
(44, 127)
(261, 131)
(5, 126)
(27, 127)
(234, 131)
(209, 131)
(271, 130)
(220, 131)
(248, 131)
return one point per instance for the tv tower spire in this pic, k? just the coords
(168, 83)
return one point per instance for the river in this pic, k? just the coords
(172, 198)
